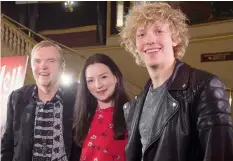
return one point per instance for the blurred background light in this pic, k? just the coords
(66, 79)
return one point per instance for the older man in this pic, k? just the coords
(39, 117)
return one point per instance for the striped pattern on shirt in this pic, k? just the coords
(48, 133)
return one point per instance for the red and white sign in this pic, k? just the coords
(12, 76)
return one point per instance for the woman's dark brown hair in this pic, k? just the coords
(86, 103)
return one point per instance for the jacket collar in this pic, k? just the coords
(59, 95)
(179, 78)
(177, 81)
(69, 94)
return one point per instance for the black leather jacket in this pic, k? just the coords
(192, 124)
(17, 141)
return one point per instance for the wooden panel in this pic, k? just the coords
(79, 39)
(69, 30)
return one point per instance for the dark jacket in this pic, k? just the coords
(17, 141)
(193, 123)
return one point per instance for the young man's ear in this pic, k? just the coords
(175, 42)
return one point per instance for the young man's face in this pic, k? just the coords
(155, 45)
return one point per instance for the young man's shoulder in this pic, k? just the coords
(199, 78)
(201, 75)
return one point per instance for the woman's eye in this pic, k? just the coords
(89, 81)
(104, 77)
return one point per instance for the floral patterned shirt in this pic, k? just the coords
(99, 144)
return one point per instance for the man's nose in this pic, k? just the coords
(150, 39)
(43, 65)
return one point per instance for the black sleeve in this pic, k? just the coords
(214, 122)
(7, 142)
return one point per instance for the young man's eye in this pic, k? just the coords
(158, 31)
(140, 35)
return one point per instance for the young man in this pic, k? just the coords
(183, 113)
(39, 117)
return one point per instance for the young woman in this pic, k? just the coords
(99, 125)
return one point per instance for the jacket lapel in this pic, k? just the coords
(136, 116)
(27, 127)
(168, 105)
(164, 114)
(28, 119)
(133, 147)
(28, 115)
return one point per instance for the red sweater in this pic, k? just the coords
(99, 144)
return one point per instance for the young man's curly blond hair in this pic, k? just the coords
(147, 13)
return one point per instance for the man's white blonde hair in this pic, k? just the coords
(47, 43)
